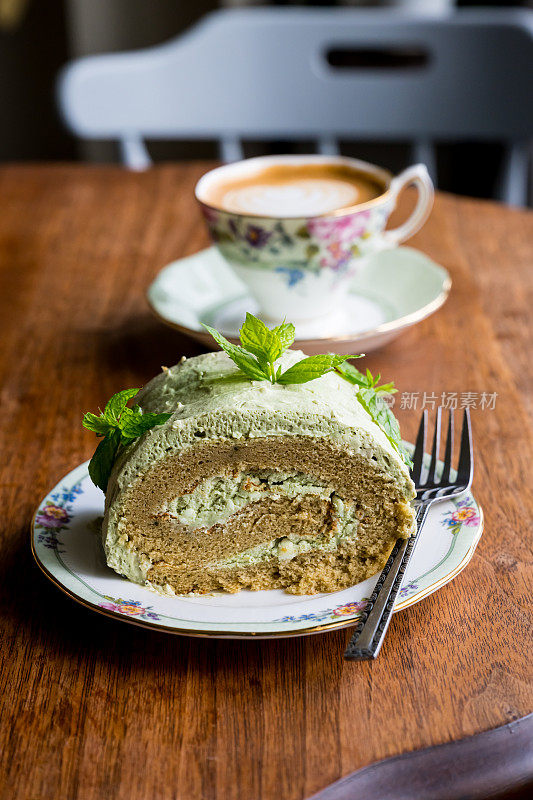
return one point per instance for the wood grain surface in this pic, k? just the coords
(91, 708)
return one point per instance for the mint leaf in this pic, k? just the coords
(352, 374)
(311, 368)
(380, 412)
(267, 345)
(120, 426)
(386, 388)
(134, 425)
(370, 395)
(385, 419)
(245, 361)
(98, 425)
(285, 333)
(256, 338)
(116, 405)
(367, 381)
(101, 463)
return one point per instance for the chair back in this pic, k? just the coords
(325, 74)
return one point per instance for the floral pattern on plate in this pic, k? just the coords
(353, 610)
(130, 608)
(54, 516)
(465, 514)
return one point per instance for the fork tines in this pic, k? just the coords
(432, 485)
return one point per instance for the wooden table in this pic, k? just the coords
(92, 708)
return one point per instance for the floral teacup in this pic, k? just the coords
(300, 268)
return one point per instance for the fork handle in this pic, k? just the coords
(370, 632)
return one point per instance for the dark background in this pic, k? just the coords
(37, 37)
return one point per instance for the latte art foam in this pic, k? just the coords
(299, 198)
(285, 190)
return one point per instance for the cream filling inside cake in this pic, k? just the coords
(217, 499)
(288, 547)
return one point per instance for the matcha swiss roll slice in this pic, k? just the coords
(245, 483)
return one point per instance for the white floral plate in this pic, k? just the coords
(393, 291)
(67, 547)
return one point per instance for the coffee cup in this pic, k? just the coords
(296, 229)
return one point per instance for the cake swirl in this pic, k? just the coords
(254, 485)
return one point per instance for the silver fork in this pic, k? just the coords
(370, 632)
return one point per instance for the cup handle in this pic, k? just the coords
(418, 176)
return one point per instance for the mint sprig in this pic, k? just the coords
(118, 425)
(371, 396)
(261, 347)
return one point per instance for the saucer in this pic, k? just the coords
(394, 290)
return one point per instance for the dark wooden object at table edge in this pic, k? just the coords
(92, 708)
(493, 764)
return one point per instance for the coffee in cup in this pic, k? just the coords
(295, 190)
(295, 229)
